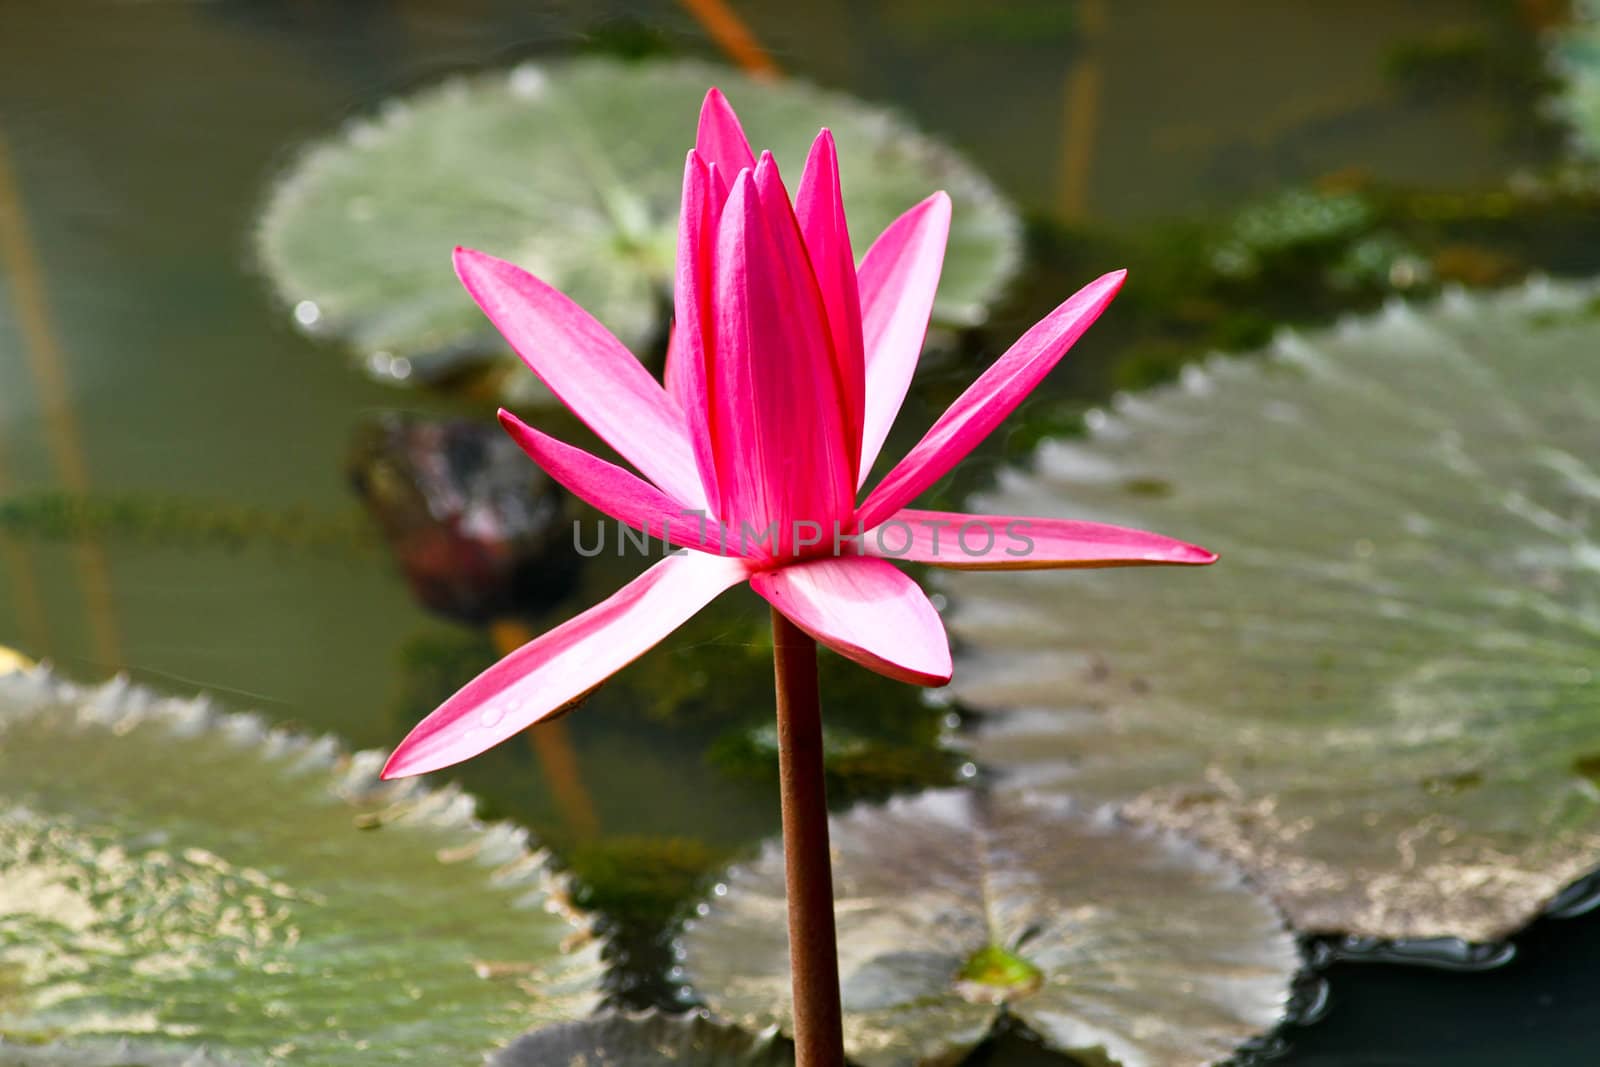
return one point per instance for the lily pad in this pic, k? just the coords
(573, 170)
(1383, 702)
(185, 878)
(645, 1040)
(1114, 944)
(1576, 54)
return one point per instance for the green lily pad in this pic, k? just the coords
(184, 878)
(1383, 701)
(573, 169)
(1576, 55)
(645, 1040)
(1114, 944)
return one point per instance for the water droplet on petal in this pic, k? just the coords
(306, 313)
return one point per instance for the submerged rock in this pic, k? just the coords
(478, 529)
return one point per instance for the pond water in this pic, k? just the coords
(143, 361)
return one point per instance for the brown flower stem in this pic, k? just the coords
(552, 746)
(808, 870)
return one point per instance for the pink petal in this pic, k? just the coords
(690, 342)
(588, 370)
(898, 279)
(720, 139)
(775, 414)
(548, 673)
(617, 492)
(1014, 543)
(673, 369)
(865, 609)
(819, 205)
(989, 400)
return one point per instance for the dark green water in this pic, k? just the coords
(139, 138)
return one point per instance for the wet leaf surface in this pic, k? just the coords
(1115, 944)
(572, 169)
(186, 878)
(1382, 701)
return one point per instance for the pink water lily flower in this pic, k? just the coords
(786, 368)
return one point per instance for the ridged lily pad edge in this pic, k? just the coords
(121, 703)
(1131, 412)
(505, 851)
(1103, 817)
(766, 1048)
(300, 169)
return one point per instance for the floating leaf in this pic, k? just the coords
(646, 1040)
(573, 170)
(1112, 943)
(187, 878)
(1382, 702)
